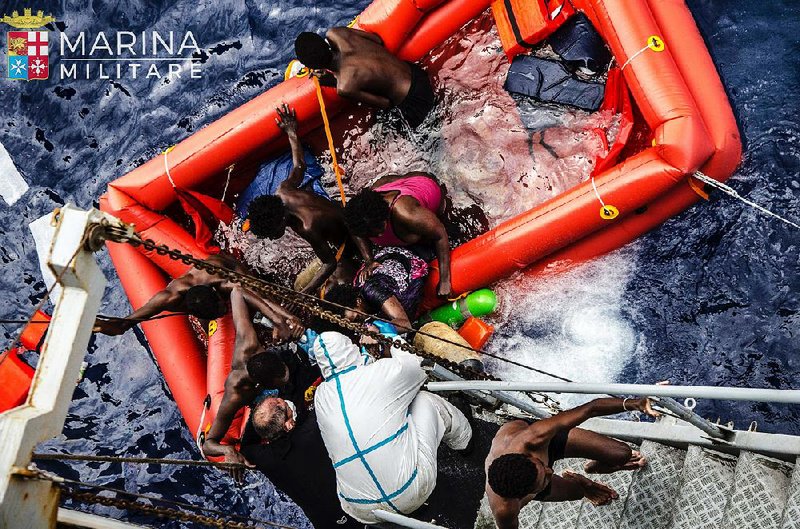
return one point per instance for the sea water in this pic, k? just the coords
(709, 298)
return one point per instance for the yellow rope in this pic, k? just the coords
(336, 169)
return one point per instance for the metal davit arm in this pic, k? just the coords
(31, 502)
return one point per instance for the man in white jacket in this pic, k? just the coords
(382, 433)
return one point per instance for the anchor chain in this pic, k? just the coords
(286, 295)
(160, 512)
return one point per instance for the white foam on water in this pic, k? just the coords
(573, 324)
(43, 234)
(12, 185)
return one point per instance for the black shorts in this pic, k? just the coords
(555, 451)
(419, 101)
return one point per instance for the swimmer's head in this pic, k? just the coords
(313, 51)
(204, 302)
(268, 369)
(272, 418)
(366, 214)
(514, 476)
(267, 216)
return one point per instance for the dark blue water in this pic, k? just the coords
(714, 292)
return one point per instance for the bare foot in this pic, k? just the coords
(636, 461)
(597, 493)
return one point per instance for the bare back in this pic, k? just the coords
(365, 65)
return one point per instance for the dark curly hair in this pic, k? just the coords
(365, 212)
(341, 294)
(267, 216)
(512, 476)
(267, 369)
(204, 302)
(313, 51)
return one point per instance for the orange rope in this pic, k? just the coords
(336, 169)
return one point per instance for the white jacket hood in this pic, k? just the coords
(336, 353)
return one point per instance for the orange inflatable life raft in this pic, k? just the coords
(662, 68)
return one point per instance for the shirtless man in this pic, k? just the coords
(312, 217)
(401, 210)
(519, 467)
(204, 295)
(253, 370)
(367, 72)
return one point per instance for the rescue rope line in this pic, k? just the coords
(312, 305)
(287, 295)
(336, 169)
(732, 192)
(139, 460)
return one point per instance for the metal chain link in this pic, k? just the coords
(286, 295)
(160, 512)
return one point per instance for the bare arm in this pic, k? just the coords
(246, 338)
(328, 259)
(364, 248)
(397, 314)
(287, 121)
(286, 324)
(238, 392)
(167, 299)
(427, 225)
(505, 512)
(566, 420)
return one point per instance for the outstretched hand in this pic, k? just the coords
(645, 405)
(444, 290)
(291, 329)
(111, 327)
(287, 119)
(234, 457)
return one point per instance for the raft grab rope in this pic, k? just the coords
(728, 190)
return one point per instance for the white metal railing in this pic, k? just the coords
(782, 396)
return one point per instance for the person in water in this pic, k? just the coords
(254, 369)
(380, 430)
(367, 72)
(401, 210)
(204, 295)
(393, 289)
(314, 218)
(519, 467)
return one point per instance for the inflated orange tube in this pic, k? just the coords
(439, 25)
(683, 145)
(699, 72)
(172, 340)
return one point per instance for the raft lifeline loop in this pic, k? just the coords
(607, 211)
(732, 192)
(166, 167)
(654, 43)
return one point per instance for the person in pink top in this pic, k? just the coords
(401, 210)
